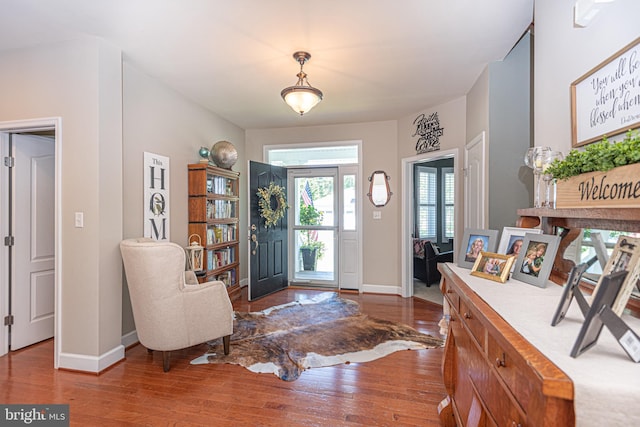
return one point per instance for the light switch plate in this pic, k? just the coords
(377, 214)
(79, 219)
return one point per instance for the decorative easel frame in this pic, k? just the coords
(599, 314)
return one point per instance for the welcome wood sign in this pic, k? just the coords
(617, 188)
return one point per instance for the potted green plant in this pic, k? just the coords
(604, 174)
(598, 157)
(311, 249)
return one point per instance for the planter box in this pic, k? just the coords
(617, 188)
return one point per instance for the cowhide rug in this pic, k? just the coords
(323, 331)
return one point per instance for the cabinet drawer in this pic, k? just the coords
(452, 296)
(501, 404)
(513, 370)
(471, 318)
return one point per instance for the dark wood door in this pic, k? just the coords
(268, 251)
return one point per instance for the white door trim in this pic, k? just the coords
(55, 124)
(407, 211)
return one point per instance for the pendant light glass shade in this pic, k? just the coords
(301, 97)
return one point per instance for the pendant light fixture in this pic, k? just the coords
(301, 97)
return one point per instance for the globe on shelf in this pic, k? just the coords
(223, 154)
(204, 155)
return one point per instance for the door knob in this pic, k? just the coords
(254, 239)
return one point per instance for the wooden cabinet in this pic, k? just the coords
(213, 215)
(493, 376)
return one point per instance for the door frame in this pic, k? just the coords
(30, 125)
(407, 211)
(359, 191)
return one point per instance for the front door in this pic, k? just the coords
(268, 251)
(33, 279)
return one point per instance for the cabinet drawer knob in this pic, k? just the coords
(500, 362)
(467, 315)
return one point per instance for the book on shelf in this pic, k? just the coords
(228, 278)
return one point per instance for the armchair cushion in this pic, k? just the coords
(418, 248)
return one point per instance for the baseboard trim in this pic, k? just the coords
(96, 364)
(382, 289)
(130, 339)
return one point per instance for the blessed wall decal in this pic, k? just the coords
(429, 132)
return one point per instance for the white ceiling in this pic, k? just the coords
(373, 59)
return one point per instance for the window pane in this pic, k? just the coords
(449, 191)
(349, 202)
(313, 156)
(427, 221)
(427, 188)
(448, 196)
(427, 193)
(448, 222)
(314, 197)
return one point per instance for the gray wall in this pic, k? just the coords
(510, 182)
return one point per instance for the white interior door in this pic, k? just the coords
(475, 183)
(33, 269)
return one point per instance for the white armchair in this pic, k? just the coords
(170, 309)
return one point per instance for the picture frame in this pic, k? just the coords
(536, 257)
(593, 323)
(493, 266)
(568, 293)
(512, 238)
(625, 257)
(601, 89)
(470, 244)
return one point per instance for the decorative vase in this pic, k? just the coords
(223, 154)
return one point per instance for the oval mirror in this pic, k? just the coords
(379, 192)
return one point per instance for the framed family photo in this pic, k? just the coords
(493, 266)
(512, 238)
(625, 257)
(473, 242)
(535, 260)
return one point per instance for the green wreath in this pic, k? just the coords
(271, 216)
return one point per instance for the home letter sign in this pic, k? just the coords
(156, 196)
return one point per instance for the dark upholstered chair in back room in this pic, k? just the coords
(426, 257)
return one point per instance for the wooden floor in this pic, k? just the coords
(402, 389)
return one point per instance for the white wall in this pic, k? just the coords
(160, 120)
(563, 53)
(79, 81)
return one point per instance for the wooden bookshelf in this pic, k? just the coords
(213, 215)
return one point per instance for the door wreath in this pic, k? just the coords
(265, 194)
